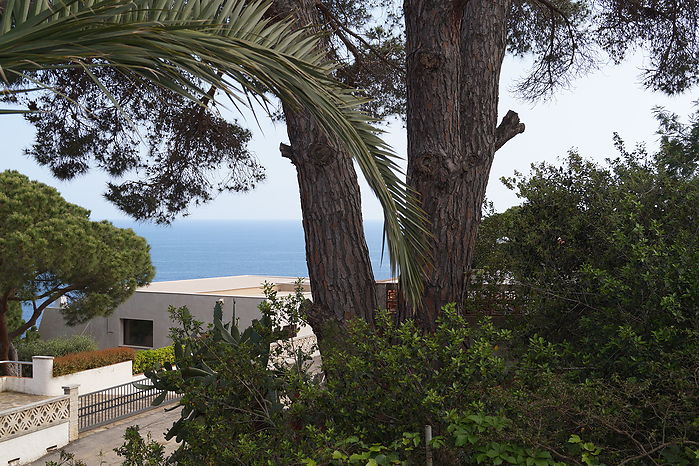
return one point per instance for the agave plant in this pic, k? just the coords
(188, 46)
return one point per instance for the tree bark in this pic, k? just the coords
(14, 370)
(339, 268)
(433, 126)
(5, 369)
(483, 45)
(455, 51)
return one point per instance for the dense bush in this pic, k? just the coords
(77, 362)
(54, 347)
(606, 255)
(234, 384)
(488, 401)
(145, 360)
(519, 403)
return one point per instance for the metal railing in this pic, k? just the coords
(118, 402)
(25, 367)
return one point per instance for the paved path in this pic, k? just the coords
(95, 447)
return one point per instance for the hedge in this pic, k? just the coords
(85, 360)
(149, 359)
(54, 347)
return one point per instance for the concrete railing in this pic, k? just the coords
(34, 416)
(28, 432)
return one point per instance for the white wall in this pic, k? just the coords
(108, 332)
(42, 370)
(34, 445)
(43, 382)
(92, 380)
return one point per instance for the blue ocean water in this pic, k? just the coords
(213, 248)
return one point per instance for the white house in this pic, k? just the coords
(142, 321)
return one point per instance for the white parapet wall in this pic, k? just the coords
(44, 383)
(27, 433)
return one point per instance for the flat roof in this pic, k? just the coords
(237, 285)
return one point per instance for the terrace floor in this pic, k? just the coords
(9, 400)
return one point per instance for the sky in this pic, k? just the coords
(583, 117)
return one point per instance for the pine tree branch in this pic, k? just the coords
(338, 26)
(557, 11)
(508, 129)
(38, 310)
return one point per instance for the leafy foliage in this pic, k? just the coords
(367, 42)
(14, 316)
(377, 372)
(225, 374)
(187, 145)
(283, 415)
(60, 252)
(605, 260)
(564, 38)
(257, 377)
(60, 346)
(485, 403)
(569, 37)
(138, 451)
(152, 359)
(54, 251)
(606, 256)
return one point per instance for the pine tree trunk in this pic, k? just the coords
(455, 53)
(483, 45)
(5, 369)
(432, 30)
(338, 261)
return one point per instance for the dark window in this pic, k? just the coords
(138, 332)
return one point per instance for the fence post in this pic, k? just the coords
(42, 374)
(72, 392)
(428, 447)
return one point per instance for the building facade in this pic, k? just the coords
(143, 321)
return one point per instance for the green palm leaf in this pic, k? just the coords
(228, 44)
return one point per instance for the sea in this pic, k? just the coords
(213, 248)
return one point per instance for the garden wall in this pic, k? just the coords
(44, 383)
(29, 432)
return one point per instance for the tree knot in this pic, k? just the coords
(430, 60)
(322, 154)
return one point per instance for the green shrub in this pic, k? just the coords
(488, 401)
(138, 451)
(151, 359)
(605, 255)
(235, 385)
(54, 347)
(85, 360)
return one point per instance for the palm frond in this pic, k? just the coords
(186, 45)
